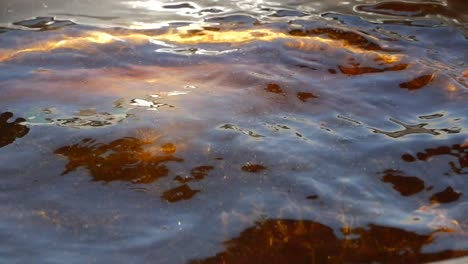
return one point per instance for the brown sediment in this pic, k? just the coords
(348, 36)
(200, 172)
(295, 241)
(358, 70)
(250, 167)
(196, 174)
(418, 82)
(298, 32)
(408, 158)
(274, 88)
(124, 159)
(183, 192)
(305, 96)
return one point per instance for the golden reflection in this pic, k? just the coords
(192, 37)
(452, 88)
(389, 59)
(67, 43)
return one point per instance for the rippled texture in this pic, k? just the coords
(233, 132)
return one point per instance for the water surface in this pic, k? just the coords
(233, 132)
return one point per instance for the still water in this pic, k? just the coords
(233, 131)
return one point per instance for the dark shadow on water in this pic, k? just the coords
(179, 6)
(410, 129)
(410, 185)
(458, 151)
(44, 23)
(104, 18)
(405, 9)
(446, 196)
(9, 132)
(405, 185)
